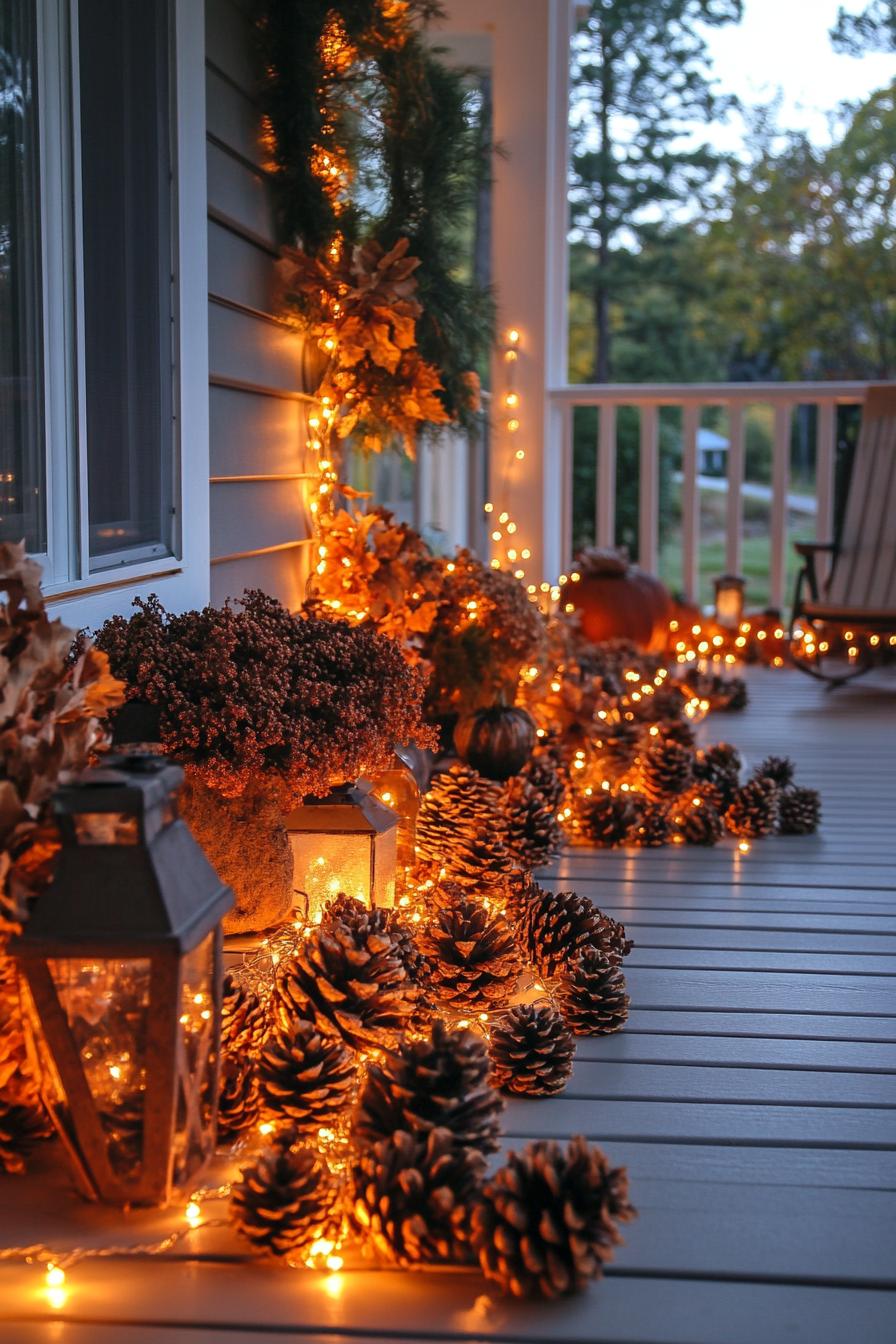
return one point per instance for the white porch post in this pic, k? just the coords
(529, 48)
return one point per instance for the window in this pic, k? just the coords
(88, 450)
(22, 469)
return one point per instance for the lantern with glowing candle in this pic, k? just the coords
(121, 959)
(346, 842)
(397, 787)
(729, 600)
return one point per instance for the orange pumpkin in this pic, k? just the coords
(618, 600)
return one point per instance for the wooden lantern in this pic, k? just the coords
(346, 842)
(397, 787)
(121, 960)
(729, 590)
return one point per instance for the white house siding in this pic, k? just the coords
(257, 408)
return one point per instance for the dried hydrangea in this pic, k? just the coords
(249, 688)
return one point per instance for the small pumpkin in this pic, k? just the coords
(496, 741)
(617, 600)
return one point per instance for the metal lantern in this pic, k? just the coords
(121, 960)
(397, 787)
(729, 600)
(344, 842)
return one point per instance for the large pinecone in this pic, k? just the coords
(306, 1077)
(546, 780)
(799, 812)
(696, 820)
(349, 980)
(650, 824)
(472, 956)
(460, 829)
(285, 1200)
(531, 1050)
(779, 769)
(439, 1082)
(615, 746)
(385, 921)
(753, 811)
(243, 1018)
(239, 1101)
(673, 730)
(592, 996)
(411, 1196)
(666, 770)
(603, 818)
(553, 926)
(533, 835)
(718, 768)
(547, 1220)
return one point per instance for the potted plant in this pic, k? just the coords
(263, 708)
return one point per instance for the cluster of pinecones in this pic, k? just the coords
(478, 830)
(412, 1182)
(673, 792)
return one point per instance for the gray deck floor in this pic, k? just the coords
(752, 1096)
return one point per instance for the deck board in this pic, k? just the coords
(752, 1096)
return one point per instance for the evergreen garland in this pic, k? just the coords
(417, 153)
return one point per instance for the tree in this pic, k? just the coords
(802, 257)
(641, 82)
(872, 30)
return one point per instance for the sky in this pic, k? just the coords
(784, 45)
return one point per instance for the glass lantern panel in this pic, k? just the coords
(193, 1135)
(385, 856)
(106, 1003)
(327, 863)
(106, 828)
(397, 788)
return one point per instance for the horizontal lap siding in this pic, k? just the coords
(257, 411)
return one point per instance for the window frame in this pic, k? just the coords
(77, 594)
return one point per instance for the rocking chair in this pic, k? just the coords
(859, 589)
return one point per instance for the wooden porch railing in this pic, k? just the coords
(734, 398)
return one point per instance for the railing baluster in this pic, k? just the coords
(734, 511)
(824, 470)
(690, 502)
(648, 488)
(605, 516)
(780, 482)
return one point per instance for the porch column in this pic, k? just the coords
(528, 51)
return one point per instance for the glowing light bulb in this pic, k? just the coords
(193, 1213)
(55, 1276)
(513, 336)
(744, 846)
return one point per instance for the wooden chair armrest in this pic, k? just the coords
(808, 548)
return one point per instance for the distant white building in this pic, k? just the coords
(712, 453)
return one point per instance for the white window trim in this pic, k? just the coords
(182, 579)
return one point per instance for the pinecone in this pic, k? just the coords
(533, 834)
(349, 980)
(592, 995)
(239, 1101)
(718, 768)
(285, 1200)
(460, 829)
(732, 694)
(440, 1082)
(411, 1196)
(553, 926)
(666, 770)
(697, 821)
(799, 812)
(386, 921)
(650, 824)
(20, 1128)
(244, 1021)
(779, 769)
(615, 746)
(306, 1078)
(754, 809)
(667, 702)
(547, 1221)
(472, 956)
(546, 780)
(531, 1051)
(674, 730)
(603, 818)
